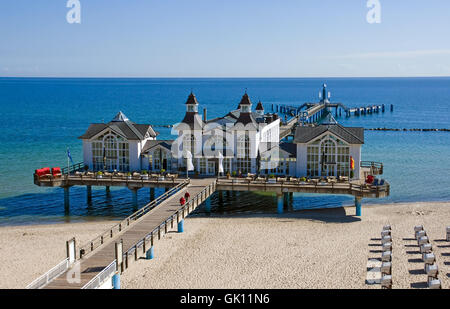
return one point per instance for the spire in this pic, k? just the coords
(120, 117)
(192, 99)
(245, 99)
(325, 94)
(259, 106)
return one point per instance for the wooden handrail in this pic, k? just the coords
(90, 246)
(208, 189)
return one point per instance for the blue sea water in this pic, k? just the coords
(41, 117)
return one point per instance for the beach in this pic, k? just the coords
(326, 248)
(27, 252)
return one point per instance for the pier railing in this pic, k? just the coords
(102, 276)
(124, 224)
(50, 275)
(375, 167)
(148, 240)
(311, 185)
(72, 168)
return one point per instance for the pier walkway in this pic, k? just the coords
(139, 236)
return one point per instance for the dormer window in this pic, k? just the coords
(245, 108)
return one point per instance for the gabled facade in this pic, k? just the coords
(237, 136)
(328, 149)
(116, 145)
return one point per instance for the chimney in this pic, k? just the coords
(204, 115)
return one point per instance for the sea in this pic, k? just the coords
(43, 117)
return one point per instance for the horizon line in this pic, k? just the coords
(218, 77)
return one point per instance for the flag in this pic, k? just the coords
(352, 163)
(69, 156)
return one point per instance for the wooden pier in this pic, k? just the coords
(356, 189)
(96, 260)
(138, 236)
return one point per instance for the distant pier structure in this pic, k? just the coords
(311, 112)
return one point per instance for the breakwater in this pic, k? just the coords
(405, 129)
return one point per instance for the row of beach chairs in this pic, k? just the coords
(386, 257)
(48, 172)
(428, 257)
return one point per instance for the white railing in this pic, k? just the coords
(101, 277)
(50, 275)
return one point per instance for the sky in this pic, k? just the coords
(218, 38)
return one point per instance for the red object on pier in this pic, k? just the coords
(182, 201)
(370, 179)
(187, 195)
(56, 172)
(43, 172)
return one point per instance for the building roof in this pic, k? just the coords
(259, 106)
(192, 99)
(122, 126)
(245, 119)
(285, 149)
(245, 100)
(149, 145)
(193, 120)
(289, 148)
(351, 135)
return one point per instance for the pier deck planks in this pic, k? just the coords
(95, 262)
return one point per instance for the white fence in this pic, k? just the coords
(50, 275)
(101, 277)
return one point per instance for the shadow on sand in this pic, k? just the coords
(328, 215)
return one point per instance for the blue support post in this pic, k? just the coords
(280, 203)
(150, 254)
(358, 201)
(181, 226)
(116, 281)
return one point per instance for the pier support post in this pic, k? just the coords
(107, 189)
(150, 254)
(66, 197)
(181, 226)
(134, 192)
(358, 201)
(89, 193)
(152, 194)
(280, 203)
(116, 281)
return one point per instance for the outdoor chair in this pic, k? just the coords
(56, 172)
(434, 284)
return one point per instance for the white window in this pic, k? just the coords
(110, 152)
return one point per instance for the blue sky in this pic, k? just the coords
(217, 38)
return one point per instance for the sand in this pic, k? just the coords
(308, 249)
(27, 252)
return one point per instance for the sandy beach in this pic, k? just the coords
(308, 249)
(27, 252)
